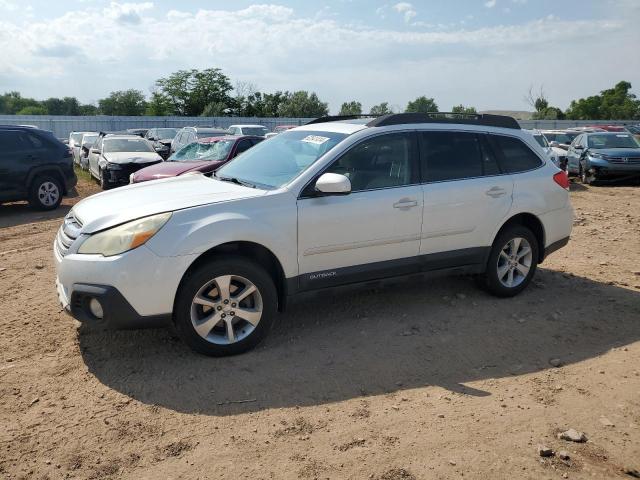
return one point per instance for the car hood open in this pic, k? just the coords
(114, 207)
(132, 157)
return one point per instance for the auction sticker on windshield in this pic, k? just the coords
(315, 139)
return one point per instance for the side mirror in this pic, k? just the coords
(333, 184)
(95, 150)
(578, 147)
(554, 144)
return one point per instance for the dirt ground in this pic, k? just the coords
(430, 380)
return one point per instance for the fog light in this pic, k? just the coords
(96, 308)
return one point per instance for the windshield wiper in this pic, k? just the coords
(234, 180)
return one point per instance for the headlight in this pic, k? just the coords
(124, 237)
(113, 166)
(597, 155)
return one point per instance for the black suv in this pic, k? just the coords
(34, 166)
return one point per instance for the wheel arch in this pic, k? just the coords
(255, 252)
(47, 170)
(533, 223)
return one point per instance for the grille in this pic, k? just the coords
(623, 160)
(68, 232)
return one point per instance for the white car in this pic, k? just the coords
(327, 204)
(255, 130)
(75, 144)
(556, 154)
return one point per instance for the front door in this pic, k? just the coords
(374, 231)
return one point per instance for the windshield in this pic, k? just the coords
(76, 138)
(565, 138)
(541, 141)
(276, 162)
(195, 152)
(127, 145)
(166, 133)
(89, 139)
(258, 131)
(618, 140)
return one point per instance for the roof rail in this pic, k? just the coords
(338, 118)
(484, 119)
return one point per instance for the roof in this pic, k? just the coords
(111, 136)
(247, 126)
(227, 137)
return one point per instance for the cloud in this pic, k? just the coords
(279, 49)
(406, 9)
(490, 3)
(8, 5)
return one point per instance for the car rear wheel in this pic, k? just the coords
(225, 307)
(45, 193)
(512, 262)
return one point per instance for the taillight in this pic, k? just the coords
(562, 179)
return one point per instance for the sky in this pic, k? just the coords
(481, 53)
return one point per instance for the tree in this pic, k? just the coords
(12, 102)
(88, 110)
(422, 105)
(271, 103)
(543, 111)
(382, 109)
(616, 103)
(190, 91)
(33, 110)
(123, 102)
(214, 109)
(303, 104)
(351, 108)
(158, 105)
(462, 109)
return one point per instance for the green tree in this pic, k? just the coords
(351, 108)
(33, 110)
(123, 102)
(382, 109)
(12, 102)
(303, 104)
(190, 91)
(271, 103)
(422, 105)
(158, 105)
(616, 103)
(214, 109)
(462, 109)
(88, 110)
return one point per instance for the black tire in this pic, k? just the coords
(585, 178)
(104, 182)
(490, 280)
(216, 267)
(45, 192)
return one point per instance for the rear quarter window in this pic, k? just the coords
(516, 156)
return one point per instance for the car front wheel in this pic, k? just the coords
(225, 307)
(512, 262)
(45, 193)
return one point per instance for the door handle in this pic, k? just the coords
(405, 203)
(496, 192)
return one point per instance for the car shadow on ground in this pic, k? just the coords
(20, 213)
(441, 332)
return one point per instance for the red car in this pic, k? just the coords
(205, 155)
(609, 128)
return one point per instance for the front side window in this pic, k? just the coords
(127, 145)
(381, 162)
(76, 138)
(451, 156)
(516, 155)
(276, 162)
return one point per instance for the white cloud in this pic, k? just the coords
(406, 9)
(490, 3)
(276, 48)
(8, 5)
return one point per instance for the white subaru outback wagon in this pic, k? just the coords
(335, 202)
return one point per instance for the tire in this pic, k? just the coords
(217, 315)
(497, 273)
(45, 192)
(585, 178)
(104, 183)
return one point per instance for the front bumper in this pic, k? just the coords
(121, 175)
(604, 168)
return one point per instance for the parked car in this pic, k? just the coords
(604, 155)
(560, 138)
(256, 130)
(140, 132)
(279, 129)
(34, 166)
(75, 144)
(205, 156)
(187, 135)
(161, 139)
(609, 128)
(328, 204)
(88, 140)
(554, 154)
(635, 130)
(114, 158)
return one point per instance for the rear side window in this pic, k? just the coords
(516, 155)
(9, 142)
(450, 156)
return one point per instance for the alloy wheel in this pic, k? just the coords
(226, 309)
(48, 194)
(514, 262)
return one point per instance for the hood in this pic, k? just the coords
(171, 169)
(617, 152)
(561, 152)
(132, 157)
(123, 204)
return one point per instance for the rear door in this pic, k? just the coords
(465, 196)
(372, 232)
(10, 164)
